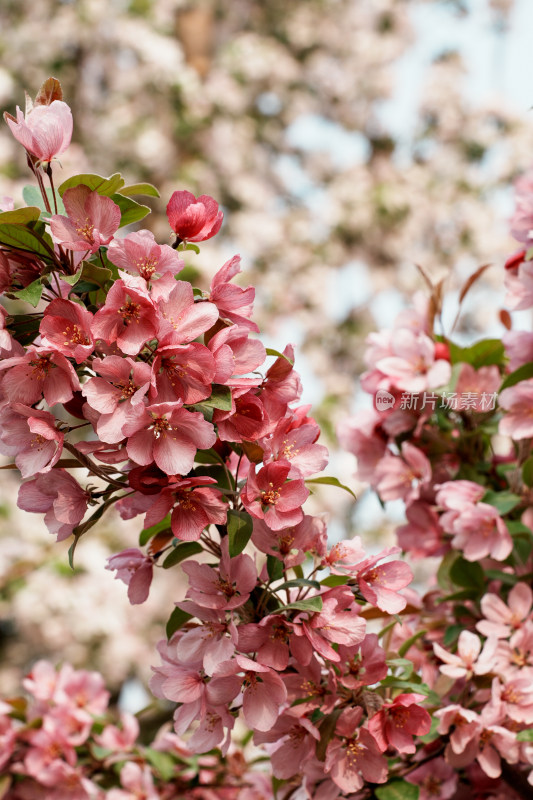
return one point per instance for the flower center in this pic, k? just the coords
(130, 312)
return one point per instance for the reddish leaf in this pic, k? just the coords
(49, 91)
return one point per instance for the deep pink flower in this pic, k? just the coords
(233, 302)
(290, 544)
(362, 665)
(135, 570)
(170, 436)
(296, 444)
(396, 723)
(128, 318)
(191, 219)
(139, 254)
(66, 327)
(246, 422)
(183, 372)
(269, 496)
(236, 354)
(31, 436)
(40, 372)
(117, 395)
(181, 320)
(380, 584)
(45, 131)
(207, 643)
(402, 477)
(263, 690)
(225, 587)
(59, 497)
(193, 504)
(295, 737)
(353, 756)
(91, 220)
(436, 780)
(282, 385)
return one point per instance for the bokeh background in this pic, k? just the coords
(346, 140)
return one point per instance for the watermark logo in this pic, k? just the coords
(384, 400)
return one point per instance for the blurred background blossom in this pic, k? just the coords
(346, 140)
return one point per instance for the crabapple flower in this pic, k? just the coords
(480, 531)
(469, 659)
(183, 372)
(45, 131)
(192, 219)
(296, 444)
(169, 435)
(139, 254)
(91, 220)
(193, 505)
(363, 664)
(236, 354)
(227, 587)
(59, 497)
(180, 319)
(519, 285)
(517, 401)
(337, 623)
(402, 476)
(31, 436)
(66, 327)
(380, 584)
(233, 302)
(135, 570)
(396, 723)
(137, 783)
(263, 691)
(295, 737)
(40, 372)
(127, 318)
(436, 780)
(501, 619)
(353, 756)
(290, 544)
(412, 366)
(270, 497)
(208, 643)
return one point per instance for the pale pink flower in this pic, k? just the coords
(478, 385)
(6, 203)
(91, 220)
(360, 435)
(45, 131)
(31, 436)
(514, 697)
(139, 254)
(396, 723)
(294, 737)
(413, 367)
(422, 535)
(517, 401)
(337, 623)
(402, 476)
(479, 531)
(436, 780)
(263, 691)
(170, 436)
(135, 570)
(192, 219)
(128, 318)
(122, 739)
(518, 348)
(353, 756)
(519, 285)
(137, 782)
(269, 496)
(59, 497)
(501, 619)
(290, 544)
(66, 327)
(233, 302)
(344, 556)
(470, 659)
(227, 587)
(380, 584)
(207, 643)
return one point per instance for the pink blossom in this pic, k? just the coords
(117, 395)
(396, 723)
(363, 664)
(59, 497)
(501, 619)
(269, 640)
(181, 320)
(282, 385)
(236, 354)
(295, 737)
(207, 643)
(269, 496)
(519, 285)
(122, 739)
(469, 659)
(66, 327)
(263, 690)
(234, 303)
(480, 531)
(191, 219)
(344, 556)
(135, 570)
(422, 536)
(514, 698)
(290, 544)
(380, 584)
(353, 755)
(360, 436)
(402, 477)
(518, 348)
(44, 131)
(436, 780)
(297, 445)
(246, 422)
(127, 318)
(90, 223)
(337, 623)
(138, 784)
(227, 587)
(40, 372)
(193, 505)
(183, 372)
(139, 254)
(517, 401)
(479, 385)
(31, 436)
(170, 436)
(412, 367)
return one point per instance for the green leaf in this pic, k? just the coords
(274, 568)
(72, 280)
(335, 580)
(397, 790)
(25, 238)
(33, 197)
(148, 533)
(104, 186)
(327, 730)
(146, 189)
(298, 582)
(502, 501)
(527, 471)
(95, 275)
(207, 457)
(130, 210)
(25, 327)
(468, 574)
(451, 634)
(240, 527)
(481, 354)
(410, 642)
(404, 664)
(181, 552)
(20, 216)
(32, 293)
(330, 481)
(177, 620)
(309, 604)
(220, 398)
(523, 373)
(525, 736)
(189, 246)
(271, 352)
(162, 762)
(506, 578)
